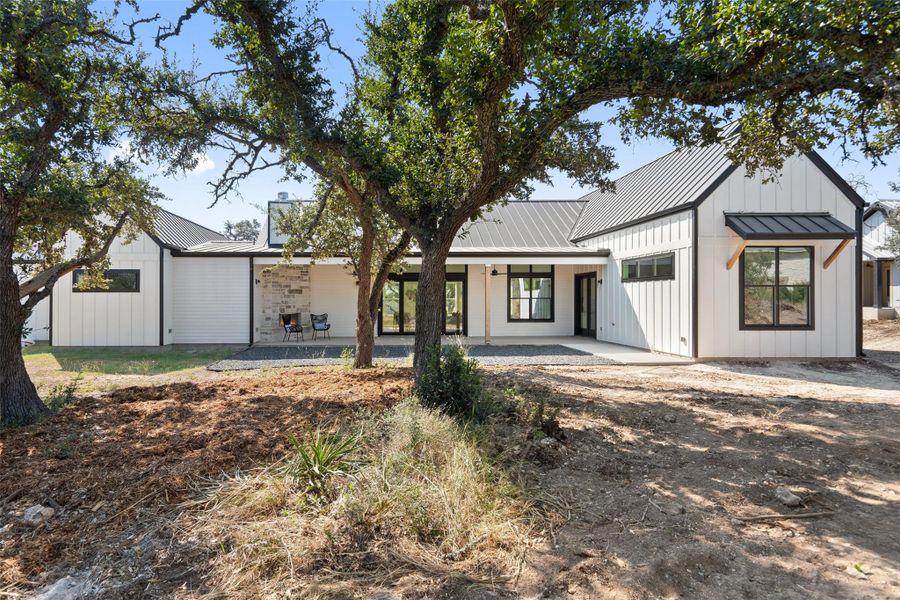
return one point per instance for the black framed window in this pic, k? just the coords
(397, 313)
(776, 287)
(646, 268)
(530, 293)
(118, 280)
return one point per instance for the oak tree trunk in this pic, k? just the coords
(19, 400)
(429, 304)
(365, 332)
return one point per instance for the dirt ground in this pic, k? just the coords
(881, 341)
(111, 462)
(662, 465)
(659, 477)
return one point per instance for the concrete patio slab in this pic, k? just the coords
(545, 351)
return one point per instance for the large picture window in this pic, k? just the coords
(530, 293)
(118, 280)
(648, 268)
(776, 288)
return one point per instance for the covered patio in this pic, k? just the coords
(506, 350)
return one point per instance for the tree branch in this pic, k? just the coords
(38, 287)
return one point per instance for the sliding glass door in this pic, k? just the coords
(398, 303)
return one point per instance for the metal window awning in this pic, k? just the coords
(788, 226)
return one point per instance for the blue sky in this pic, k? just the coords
(190, 196)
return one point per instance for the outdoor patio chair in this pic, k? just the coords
(291, 324)
(320, 323)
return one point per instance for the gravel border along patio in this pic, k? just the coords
(266, 357)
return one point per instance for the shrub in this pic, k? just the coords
(320, 458)
(61, 396)
(65, 448)
(537, 413)
(423, 499)
(452, 383)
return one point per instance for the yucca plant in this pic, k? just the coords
(321, 457)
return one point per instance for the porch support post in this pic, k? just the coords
(487, 303)
(878, 283)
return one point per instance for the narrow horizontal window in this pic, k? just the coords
(648, 268)
(117, 280)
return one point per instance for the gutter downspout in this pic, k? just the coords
(695, 305)
(162, 297)
(859, 291)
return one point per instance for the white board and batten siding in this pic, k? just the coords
(211, 300)
(801, 187)
(111, 318)
(38, 322)
(655, 315)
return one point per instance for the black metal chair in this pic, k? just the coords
(320, 323)
(291, 324)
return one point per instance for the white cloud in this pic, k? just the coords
(204, 164)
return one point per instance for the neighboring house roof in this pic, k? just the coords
(882, 206)
(674, 182)
(176, 232)
(788, 226)
(873, 250)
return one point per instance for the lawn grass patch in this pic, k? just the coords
(121, 361)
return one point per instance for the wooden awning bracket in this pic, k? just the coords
(737, 254)
(833, 256)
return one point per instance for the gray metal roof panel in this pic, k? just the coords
(177, 232)
(673, 181)
(787, 226)
(523, 224)
(532, 227)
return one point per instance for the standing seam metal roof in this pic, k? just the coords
(673, 181)
(773, 226)
(535, 226)
(523, 224)
(173, 231)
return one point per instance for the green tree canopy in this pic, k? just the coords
(245, 230)
(458, 104)
(70, 92)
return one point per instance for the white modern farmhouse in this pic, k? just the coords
(881, 273)
(689, 257)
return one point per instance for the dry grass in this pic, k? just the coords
(423, 500)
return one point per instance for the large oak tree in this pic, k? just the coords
(69, 92)
(458, 104)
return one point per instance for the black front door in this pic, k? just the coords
(586, 304)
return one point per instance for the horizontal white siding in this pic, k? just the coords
(333, 291)
(211, 300)
(647, 314)
(111, 318)
(801, 187)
